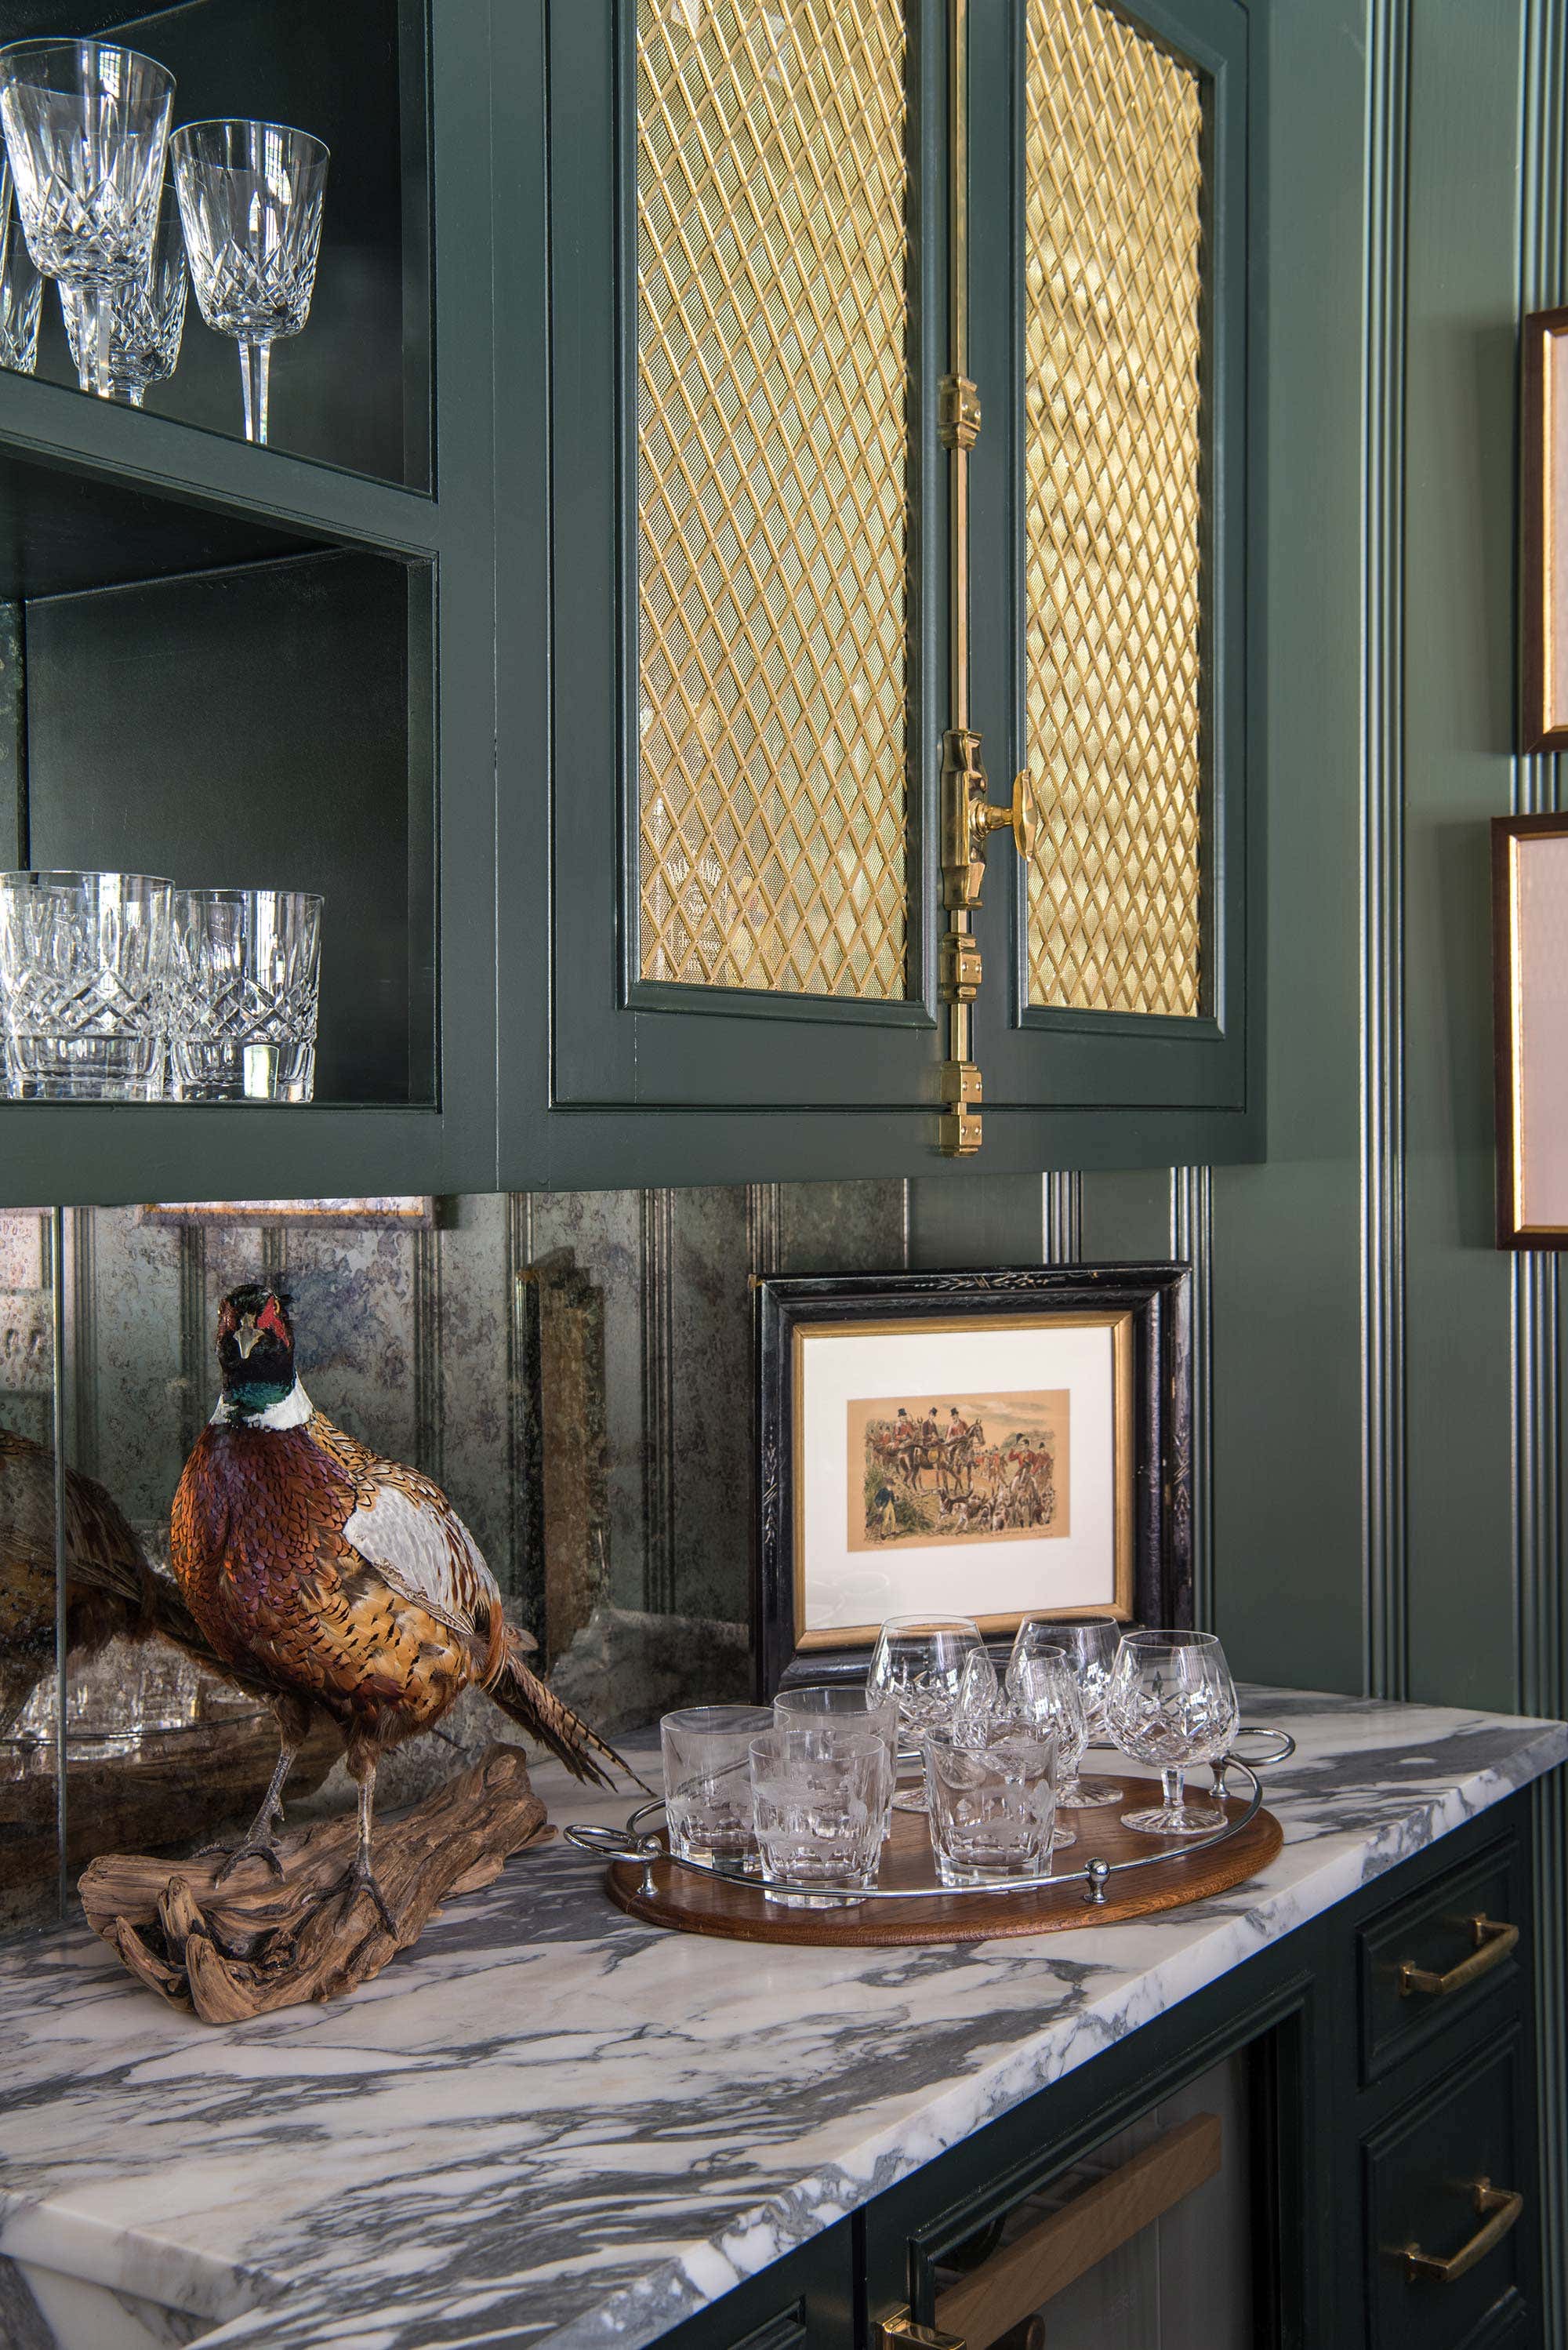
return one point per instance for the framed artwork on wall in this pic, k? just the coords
(1544, 440)
(1530, 993)
(996, 1444)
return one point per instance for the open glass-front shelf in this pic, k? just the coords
(190, 692)
(353, 389)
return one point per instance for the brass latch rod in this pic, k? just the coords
(967, 818)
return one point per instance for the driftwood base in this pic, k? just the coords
(228, 1952)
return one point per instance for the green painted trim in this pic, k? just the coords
(1384, 1560)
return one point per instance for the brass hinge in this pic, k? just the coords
(958, 411)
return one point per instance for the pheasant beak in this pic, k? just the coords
(247, 1337)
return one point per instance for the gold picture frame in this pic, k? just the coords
(1543, 446)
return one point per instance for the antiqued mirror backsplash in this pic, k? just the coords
(573, 1369)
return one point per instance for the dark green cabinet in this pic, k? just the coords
(735, 629)
(1365, 2190)
(600, 626)
(274, 666)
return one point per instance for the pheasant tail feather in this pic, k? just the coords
(528, 1700)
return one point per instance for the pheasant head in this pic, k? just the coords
(255, 1354)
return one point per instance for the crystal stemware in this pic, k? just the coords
(1172, 1702)
(21, 289)
(1089, 1644)
(143, 317)
(1041, 1694)
(919, 1661)
(86, 126)
(250, 197)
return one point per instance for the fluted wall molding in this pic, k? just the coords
(1384, 1439)
(1061, 1218)
(1543, 1668)
(656, 1239)
(1192, 1242)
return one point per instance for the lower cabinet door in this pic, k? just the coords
(1449, 2231)
(1148, 2237)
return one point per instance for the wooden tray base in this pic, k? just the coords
(702, 1905)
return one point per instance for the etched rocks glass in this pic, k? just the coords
(919, 1661)
(143, 316)
(83, 969)
(708, 1784)
(1172, 1702)
(243, 987)
(993, 1805)
(845, 1711)
(250, 197)
(819, 1808)
(1088, 1645)
(86, 126)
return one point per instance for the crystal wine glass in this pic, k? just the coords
(919, 1661)
(1172, 1702)
(250, 197)
(146, 319)
(86, 126)
(1089, 1644)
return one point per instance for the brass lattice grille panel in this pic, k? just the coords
(1114, 307)
(771, 503)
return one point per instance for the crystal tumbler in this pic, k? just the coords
(250, 197)
(243, 986)
(844, 1711)
(819, 1803)
(144, 318)
(993, 1807)
(706, 1782)
(83, 968)
(86, 126)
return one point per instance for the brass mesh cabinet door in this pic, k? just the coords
(1115, 476)
(771, 523)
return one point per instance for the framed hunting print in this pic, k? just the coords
(999, 1444)
(1529, 955)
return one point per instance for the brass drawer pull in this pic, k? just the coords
(1497, 2208)
(1492, 1942)
(901, 2328)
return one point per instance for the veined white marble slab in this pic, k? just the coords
(552, 2122)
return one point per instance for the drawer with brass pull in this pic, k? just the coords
(1447, 2223)
(1437, 1955)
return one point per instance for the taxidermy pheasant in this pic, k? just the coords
(339, 1581)
(109, 1584)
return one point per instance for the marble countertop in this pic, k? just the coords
(551, 2122)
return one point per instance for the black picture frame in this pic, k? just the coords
(1156, 1297)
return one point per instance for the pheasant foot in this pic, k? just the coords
(254, 1848)
(359, 1878)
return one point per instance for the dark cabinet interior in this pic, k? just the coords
(256, 726)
